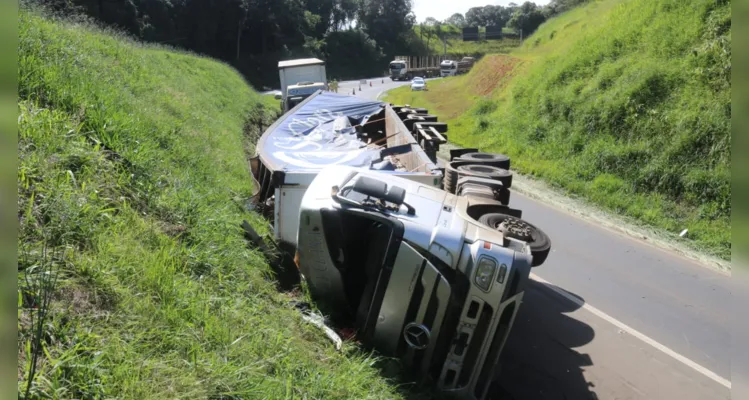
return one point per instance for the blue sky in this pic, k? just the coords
(442, 9)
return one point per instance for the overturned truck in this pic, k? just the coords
(428, 263)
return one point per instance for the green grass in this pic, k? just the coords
(133, 176)
(626, 103)
(456, 47)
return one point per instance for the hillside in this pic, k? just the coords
(626, 103)
(132, 183)
(456, 47)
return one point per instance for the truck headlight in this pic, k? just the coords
(485, 273)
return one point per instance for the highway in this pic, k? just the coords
(609, 316)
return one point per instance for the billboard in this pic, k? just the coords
(470, 34)
(493, 32)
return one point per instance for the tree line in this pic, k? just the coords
(253, 35)
(526, 17)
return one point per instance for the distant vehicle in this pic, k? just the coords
(451, 67)
(404, 68)
(299, 79)
(418, 84)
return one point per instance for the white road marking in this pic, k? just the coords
(639, 335)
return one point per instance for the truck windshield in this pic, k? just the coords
(293, 101)
(397, 65)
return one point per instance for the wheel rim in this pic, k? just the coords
(516, 228)
(481, 169)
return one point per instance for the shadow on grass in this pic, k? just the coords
(280, 258)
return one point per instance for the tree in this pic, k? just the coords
(456, 19)
(496, 16)
(475, 16)
(488, 16)
(428, 31)
(387, 22)
(527, 18)
(430, 21)
(253, 35)
(343, 13)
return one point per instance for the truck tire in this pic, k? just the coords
(495, 160)
(486, 171)
(451, 178)
(522, 230)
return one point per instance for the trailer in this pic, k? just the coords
(426, 263)
(408, 67)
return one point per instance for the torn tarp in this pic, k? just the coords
(320, 133)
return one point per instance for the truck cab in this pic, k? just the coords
(300, 78)
(423, 280)
(448, 68)
(399, 70)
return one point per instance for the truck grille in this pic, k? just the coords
(436, 302)
(466, 333)
(486, 375)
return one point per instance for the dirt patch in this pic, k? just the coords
(491, 73)
(452, 97)
(172, 230)
(78, 300)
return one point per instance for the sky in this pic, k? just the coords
(442, 9)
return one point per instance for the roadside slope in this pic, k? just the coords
(626, 103)
(132, 182)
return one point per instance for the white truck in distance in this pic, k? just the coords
(452, 67)
(299, 79)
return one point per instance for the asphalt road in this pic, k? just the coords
(609, 316)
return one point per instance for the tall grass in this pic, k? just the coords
(132, 167)
(626, 103)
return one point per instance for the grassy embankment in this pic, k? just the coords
(456, 47)
(132, 182)
(625, 103)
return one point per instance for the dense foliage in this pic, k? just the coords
(253, 35)
(526, 17)
(132, 183)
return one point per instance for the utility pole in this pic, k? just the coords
(521, 34)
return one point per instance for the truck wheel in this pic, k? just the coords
(486, 171)
(522, 230)
(496, 160)
(451, 178)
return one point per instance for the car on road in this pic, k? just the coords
(418, 84)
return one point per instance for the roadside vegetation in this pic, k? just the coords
(132, 184)
(434, 35)
(625, 103)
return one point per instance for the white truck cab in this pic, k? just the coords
(399, 70)
(423, 279)
(448, 68)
